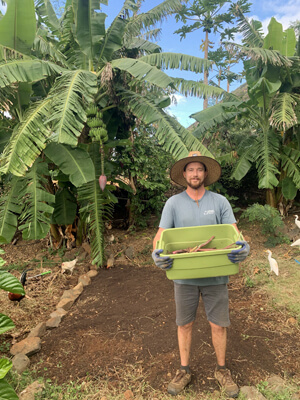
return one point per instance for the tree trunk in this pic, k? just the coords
(205, 102)
(271, 198)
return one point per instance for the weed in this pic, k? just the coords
(284, 393)
(249, 282)
(271, 224)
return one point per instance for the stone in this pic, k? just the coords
(60, 312)
(28, 346)
(92, 273)
(20, 363)
(83, 256)
(31, 391)
(275, 383)
(129, 252)
(53, 322)
(128, 395)
(251, 393)
(65, 304)
(38, 331)
(84, 279)
(78, 289)
(86, 247)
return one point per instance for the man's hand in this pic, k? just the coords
(164, 263)
(239, 255)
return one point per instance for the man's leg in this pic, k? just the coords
(216, 306)
(187, 300)
(185, 342)
(219, 338)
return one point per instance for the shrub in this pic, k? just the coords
(270, 222)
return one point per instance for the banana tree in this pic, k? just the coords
(271, 111)
(81, 86)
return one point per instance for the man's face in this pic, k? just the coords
(195, 174)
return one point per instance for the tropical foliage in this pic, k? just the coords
(11, 284)
(270, 140)
(72, 92)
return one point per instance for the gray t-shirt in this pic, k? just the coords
(182, 211)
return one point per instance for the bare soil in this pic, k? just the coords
(127, 317)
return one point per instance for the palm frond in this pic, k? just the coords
(72, 90)
(197, 89)
(26, 70)
(27, 141)
(35, 218)
(283, 114)
(177, 61)
(172, 136)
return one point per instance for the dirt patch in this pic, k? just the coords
(127, 317)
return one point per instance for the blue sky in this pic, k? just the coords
(285, 12)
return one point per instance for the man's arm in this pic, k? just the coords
(157, 237)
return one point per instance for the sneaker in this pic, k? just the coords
(223, 376)
(181, 380)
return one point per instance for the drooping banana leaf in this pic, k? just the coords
(5, 322)
(18, 26)
(289, 189)
(35, 217)
(290, 159)
(5, 366)
(177, 61)
(27, 140)
(6, 391)
(95, 208)
(71, 91)
(46, 14)
(74, 162)
(65, 207)
(267, 156)
(10, 283)
(89, 26)
(113, 39)
(214, 115)
(143, 71)
(26, 70)
(10, 208)
(174, 138)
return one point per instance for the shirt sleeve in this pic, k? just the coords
(227, 216)
(167, 216)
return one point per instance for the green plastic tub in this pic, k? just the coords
(199, 264)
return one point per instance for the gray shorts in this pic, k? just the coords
(215, 300)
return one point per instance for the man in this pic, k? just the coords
(194, 207)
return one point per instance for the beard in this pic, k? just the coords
(195, 184)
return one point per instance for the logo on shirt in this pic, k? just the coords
(209, 212)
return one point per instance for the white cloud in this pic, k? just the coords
(177, 99)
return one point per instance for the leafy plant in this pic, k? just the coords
(270, 221)
(11, 284)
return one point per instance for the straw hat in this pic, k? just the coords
(213, 168)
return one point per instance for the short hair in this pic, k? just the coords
(205, 169)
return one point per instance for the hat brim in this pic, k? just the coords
(213, 169)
